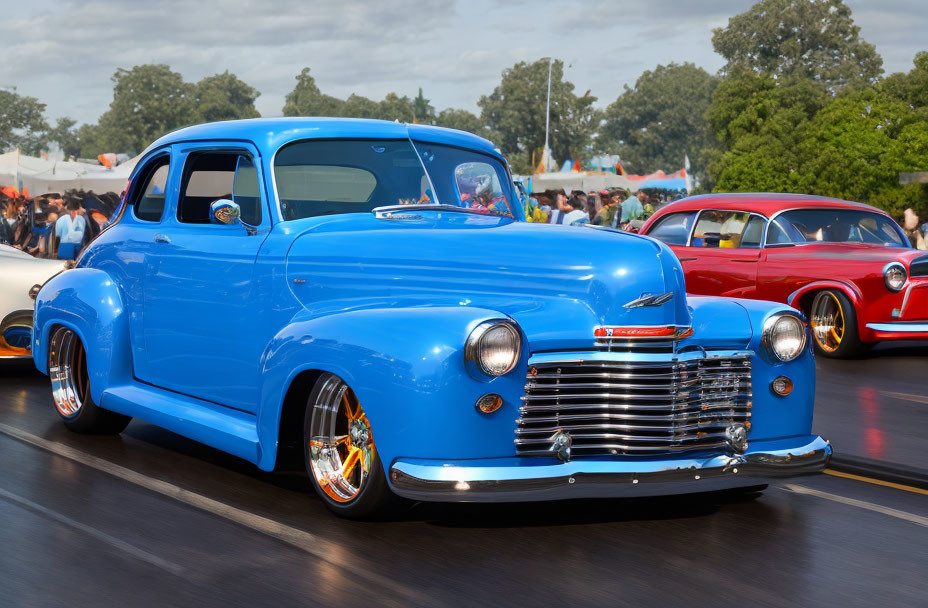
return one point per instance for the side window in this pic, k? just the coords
(149, 199)
(673, 229)
(210, 176)
(753, 233)
(719, 229)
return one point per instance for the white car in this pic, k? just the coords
(19, 273)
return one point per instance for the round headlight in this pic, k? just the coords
(493, 348)
(784, 336)
(894, 276)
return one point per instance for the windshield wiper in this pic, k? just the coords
(385, 213)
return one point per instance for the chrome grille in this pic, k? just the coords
(640, 345)
(634, 407)
(919, 267)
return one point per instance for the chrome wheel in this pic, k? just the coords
(67, 368)
(827, 320)
(341, 445)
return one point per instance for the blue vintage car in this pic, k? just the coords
(362, 296)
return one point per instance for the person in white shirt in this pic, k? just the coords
(567, 213)
(70, 229)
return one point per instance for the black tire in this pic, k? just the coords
(373, 498)
(849, 344)
(67, 368)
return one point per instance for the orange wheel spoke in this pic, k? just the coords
(348, 466)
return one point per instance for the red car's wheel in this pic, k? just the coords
(834, 325)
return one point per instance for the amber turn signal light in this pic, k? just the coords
(782, 386)
(489, 403)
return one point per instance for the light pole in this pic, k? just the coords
(546, 153)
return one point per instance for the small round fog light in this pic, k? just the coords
(737, 436)
(782, 386)
(489, 403)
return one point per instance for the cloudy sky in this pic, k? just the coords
(66, 51)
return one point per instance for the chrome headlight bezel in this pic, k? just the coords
(769, 337)
(886, 272)
(475, 345)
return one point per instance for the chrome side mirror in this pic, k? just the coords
(225, 211)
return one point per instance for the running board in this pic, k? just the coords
(223, 428)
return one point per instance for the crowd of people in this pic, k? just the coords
(616, 208)
(54, 226)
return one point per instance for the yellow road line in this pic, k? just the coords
(878, 482)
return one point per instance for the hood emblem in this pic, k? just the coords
(649, 299)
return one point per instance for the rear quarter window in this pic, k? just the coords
(673, 229)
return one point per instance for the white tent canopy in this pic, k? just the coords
(582, 181)
(42, 176)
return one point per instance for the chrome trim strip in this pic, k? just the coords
(635, 357)
(902, 327)
(478, 481)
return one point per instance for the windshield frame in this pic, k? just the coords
(506, 178)
(875, 212)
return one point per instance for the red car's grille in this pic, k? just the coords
(919, 267)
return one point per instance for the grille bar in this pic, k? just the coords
(632, 407)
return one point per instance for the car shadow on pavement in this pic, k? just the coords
(572, 512)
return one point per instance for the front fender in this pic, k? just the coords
(404, 365)
(849, 289)
(87, 301)
(774, 416)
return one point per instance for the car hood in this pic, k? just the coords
(557, 282)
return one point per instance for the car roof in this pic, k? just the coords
(765, 203)
(269, 134)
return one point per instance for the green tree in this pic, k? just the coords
(806, 38)
(760, 124)
(515, 112)
(225, 97)
(462, 120)
(661, 120)
(148, 101)
(394, 107)
(358, 106)
(307, 100)
(66, 135)
(859, 144)
(22, 123)
(422, 110)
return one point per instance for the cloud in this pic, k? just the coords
(454, 49)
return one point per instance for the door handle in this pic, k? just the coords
(162, 238)
(687, 259)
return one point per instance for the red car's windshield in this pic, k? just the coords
(834, 226)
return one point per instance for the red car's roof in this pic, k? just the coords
(764, 203)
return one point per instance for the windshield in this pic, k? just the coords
(327, 177)
(834, 226)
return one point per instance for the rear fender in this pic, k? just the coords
(406, 366)
(87, 301)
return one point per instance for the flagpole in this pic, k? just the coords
(548, 115)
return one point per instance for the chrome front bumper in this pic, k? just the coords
(528, 479)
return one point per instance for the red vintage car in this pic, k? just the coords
(848, 266)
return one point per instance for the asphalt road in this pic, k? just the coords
(152, 519)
